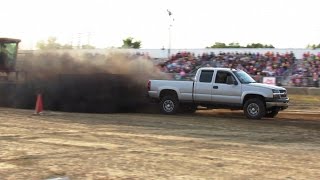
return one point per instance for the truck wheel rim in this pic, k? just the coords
(168, 105)
(253, 109)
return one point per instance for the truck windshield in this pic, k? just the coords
(244, 77)
(8, 52)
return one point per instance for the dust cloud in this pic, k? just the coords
(85, 82)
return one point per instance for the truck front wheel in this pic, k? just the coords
(169, 104)
(272, 113)
(254, 108)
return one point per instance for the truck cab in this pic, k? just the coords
(8, 56)
(217, 86)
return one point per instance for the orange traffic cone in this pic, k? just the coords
(39, 105)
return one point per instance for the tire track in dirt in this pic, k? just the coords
(144, 146)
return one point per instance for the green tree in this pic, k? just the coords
(237, 45)
(259, 45)
(131, 43)
(313, 46)
(218, 45)
(255, 45)
(234, 45)
(66, 46)
(269, 46)
(51, 43)
(87, 46)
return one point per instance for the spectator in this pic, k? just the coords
(315, 79)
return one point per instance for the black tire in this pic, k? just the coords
(254, 108)
(169, 104)
(272, 113)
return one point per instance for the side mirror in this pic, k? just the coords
(231, 81)
(235, 82)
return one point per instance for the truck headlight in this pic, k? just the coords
(276, 94)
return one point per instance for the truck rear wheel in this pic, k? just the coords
(254, 108)
(169, 104)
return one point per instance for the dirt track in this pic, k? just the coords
(207, 145)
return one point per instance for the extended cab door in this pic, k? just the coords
(203, 86)
(226, 89)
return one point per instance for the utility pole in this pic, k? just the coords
(171, 19)
(169, 48)
(79, 40)
(89, 38)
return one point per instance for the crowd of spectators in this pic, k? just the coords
(255, 64)
(307, 68)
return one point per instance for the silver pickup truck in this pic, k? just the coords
(219, 88)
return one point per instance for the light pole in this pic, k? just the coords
(171, 19)
(169, 46)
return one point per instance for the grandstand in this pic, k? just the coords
(286, 67)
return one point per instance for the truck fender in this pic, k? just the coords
(169, 88)
(252, 93)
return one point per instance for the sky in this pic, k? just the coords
(196, 24)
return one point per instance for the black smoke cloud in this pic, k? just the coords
(83, 82)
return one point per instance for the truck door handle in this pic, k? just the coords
(215, 87)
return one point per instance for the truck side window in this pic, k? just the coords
(222, 77)
(206, 76)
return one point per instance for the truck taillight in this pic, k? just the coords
(149, 85)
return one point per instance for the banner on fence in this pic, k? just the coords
(269, 80)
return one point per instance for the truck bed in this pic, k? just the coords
(184, 88)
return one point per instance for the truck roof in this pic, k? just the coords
(215, 68)
(9, 40)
